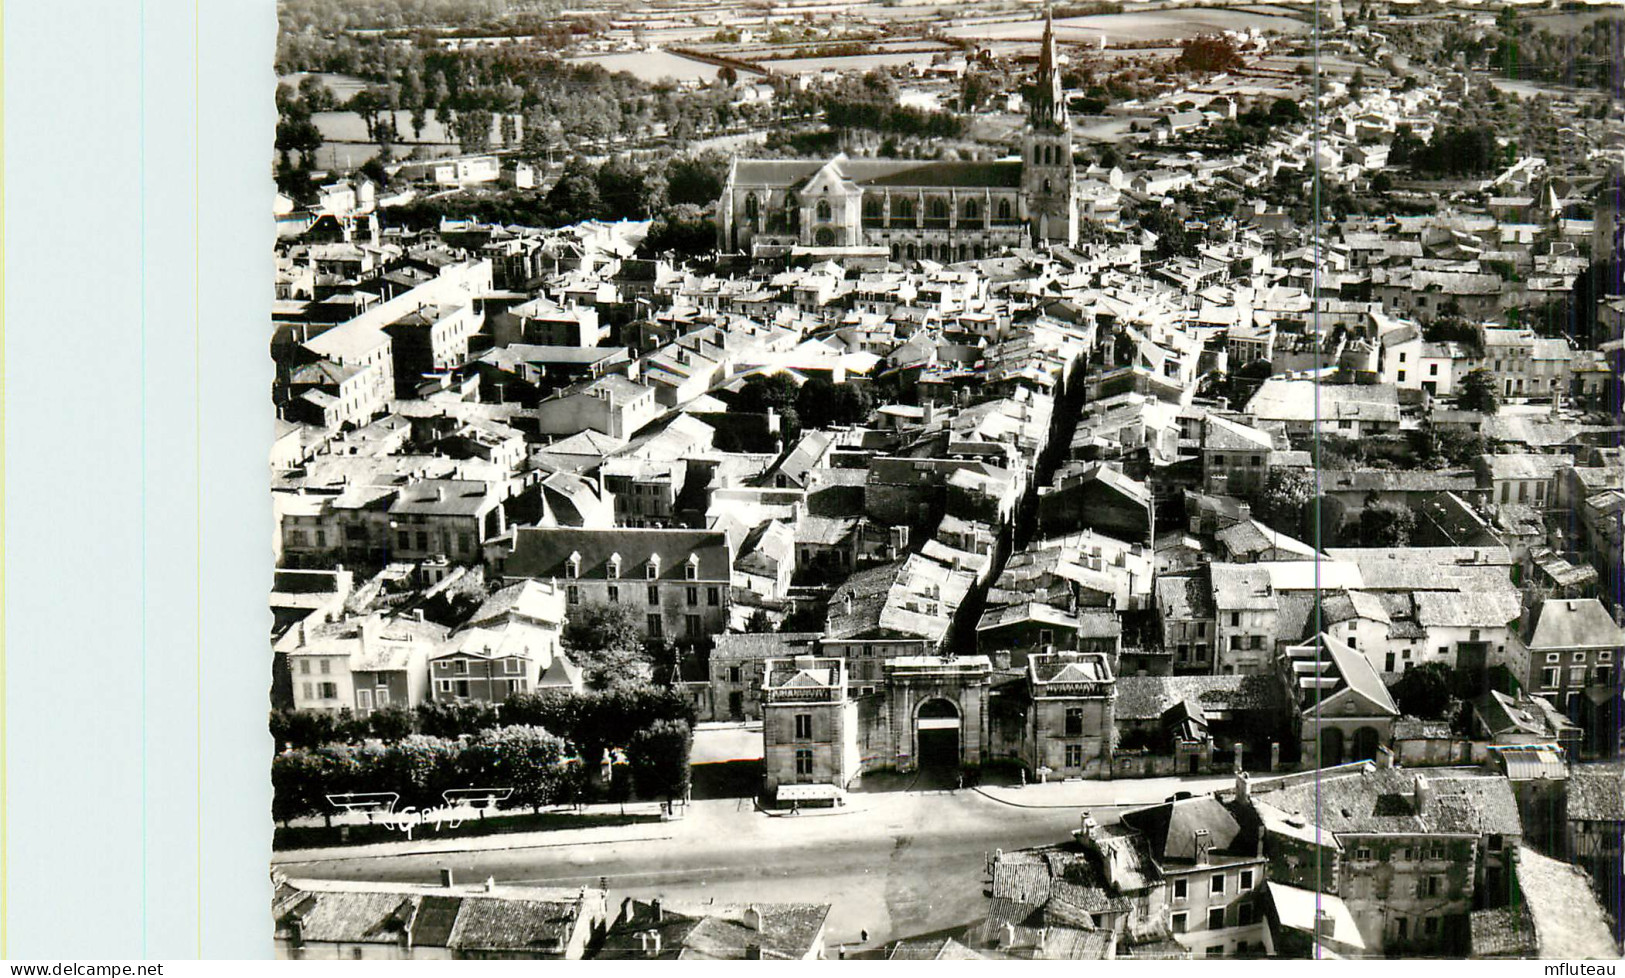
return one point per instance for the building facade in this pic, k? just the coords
(944, 211)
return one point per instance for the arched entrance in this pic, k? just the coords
(936, 725)
(1365, 744)
(1331, 746)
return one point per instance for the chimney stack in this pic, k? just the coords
(446, 879)
(753, 919)
(1422, 793)
(1202, 843)
(1244, 789)
(1325, 923)
(655, 910)
(753, 952)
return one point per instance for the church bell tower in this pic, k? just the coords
(1047, 177)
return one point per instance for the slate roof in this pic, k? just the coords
(465, 918)
(718, 932)
(1370, 799)
(1170, 830)
(544, 552)
(1597, 793)
(1569, 922)
(1503, 932)
(1572, 623)
(1149, 697)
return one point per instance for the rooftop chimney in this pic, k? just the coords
(753, 919)
(1244, 788)
(753, 952)
(446, 877)
(655, 910)
(1421, 793)
(1202, 843)
(1325, 924)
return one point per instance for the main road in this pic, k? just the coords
(892, 864)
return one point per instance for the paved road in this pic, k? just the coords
(894, 864)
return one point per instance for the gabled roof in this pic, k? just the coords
(1572, 623)
(1171, 829)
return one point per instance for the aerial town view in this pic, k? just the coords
(898, 480)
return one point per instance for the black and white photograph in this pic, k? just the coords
(837, 480)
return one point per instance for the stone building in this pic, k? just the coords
(809, 728)
(941, 210)
(1070, 727)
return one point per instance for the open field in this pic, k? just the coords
(1151, 25)
(653, 66)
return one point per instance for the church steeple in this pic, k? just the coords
(1048, 179)
(1049, 100)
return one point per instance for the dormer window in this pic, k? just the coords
(651, 570)
(614, 566)
(572, 567)
(691, 570)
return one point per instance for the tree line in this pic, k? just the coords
(546, 746)
(537, 767)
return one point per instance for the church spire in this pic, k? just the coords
(1049, 100)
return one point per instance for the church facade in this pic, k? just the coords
(939, 210)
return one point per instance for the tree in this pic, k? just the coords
(778, 392)
(659, 756)
(473, 130)
(574, 197)
(1424, 692)
(1386, 525)
(390, 724)
(594, 626)
(727, 76)
(759, 623)
(527, 759)
(684, 229)
(607, 642)
(622, 186)
(1478, 393)
(303, 728)
(1285, 502)
(1209, 53)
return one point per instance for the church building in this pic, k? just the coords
(940, 210)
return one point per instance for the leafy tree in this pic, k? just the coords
(298, 135)
(298, 780)
(473, 130)
(574, 197)
(374, 170)
(390, 724)
(820, 403)
(1285, 502)
(527, 759)
(776, 391)
(1425, 692)
(684, 229)
(1209, 53)
(1478, 393)
(696, 179)
(659, 757)
(759, 623)
(620, 785)
(607, 642)
(594, 626)
(622, 188)
(440, 718)
(1386, 525)
(303, 728)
